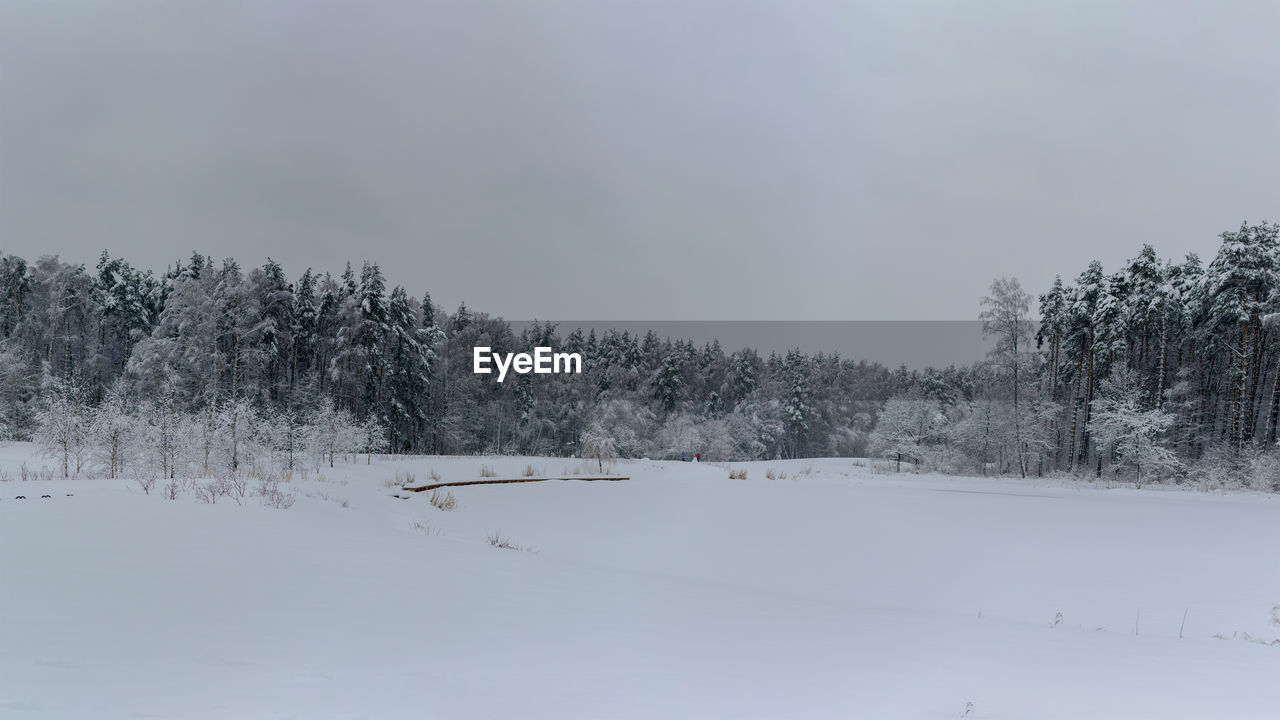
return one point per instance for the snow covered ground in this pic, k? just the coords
(839, 592)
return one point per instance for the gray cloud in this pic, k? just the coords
(633, 160)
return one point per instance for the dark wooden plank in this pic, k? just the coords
(459, 483)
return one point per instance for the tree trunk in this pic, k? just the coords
(1242, 387)
(1274, 414)
(1075, 407)
(1164, 335)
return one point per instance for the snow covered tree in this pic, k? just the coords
(796, 410)
(1006, 318)
(243, 436)
(271, 298)
(63, 421)
(598, 445)
(111, 430)
(1119, 422)
(409, 361)
(333, 432)
(18, 392)
(373, 438)
(168, 429)
(906, 430)
(1240, 282)
(201, 344)
(668, 383)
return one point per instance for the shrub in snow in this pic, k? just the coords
(210, 490)
(145, 481)
(272, 496)
(237, 487)
(280, 499)
(172, 490)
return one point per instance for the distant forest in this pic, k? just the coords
(1158, 370)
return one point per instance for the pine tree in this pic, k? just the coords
(304, 330)
(668, 383)
(1240, 281)
(272, 298)
(409, 362)
(796, 410)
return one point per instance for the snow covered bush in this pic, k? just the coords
(1266, 469)
(272, 496)
(210, 490)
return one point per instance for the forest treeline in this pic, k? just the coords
(1159, 369)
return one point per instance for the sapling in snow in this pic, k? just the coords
(598, 445)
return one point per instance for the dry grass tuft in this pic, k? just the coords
(739, 474)
(426, 528)
(496, 540)
(443, 502)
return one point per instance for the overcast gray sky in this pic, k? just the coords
(646, 159)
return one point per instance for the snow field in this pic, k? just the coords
(837, 592)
